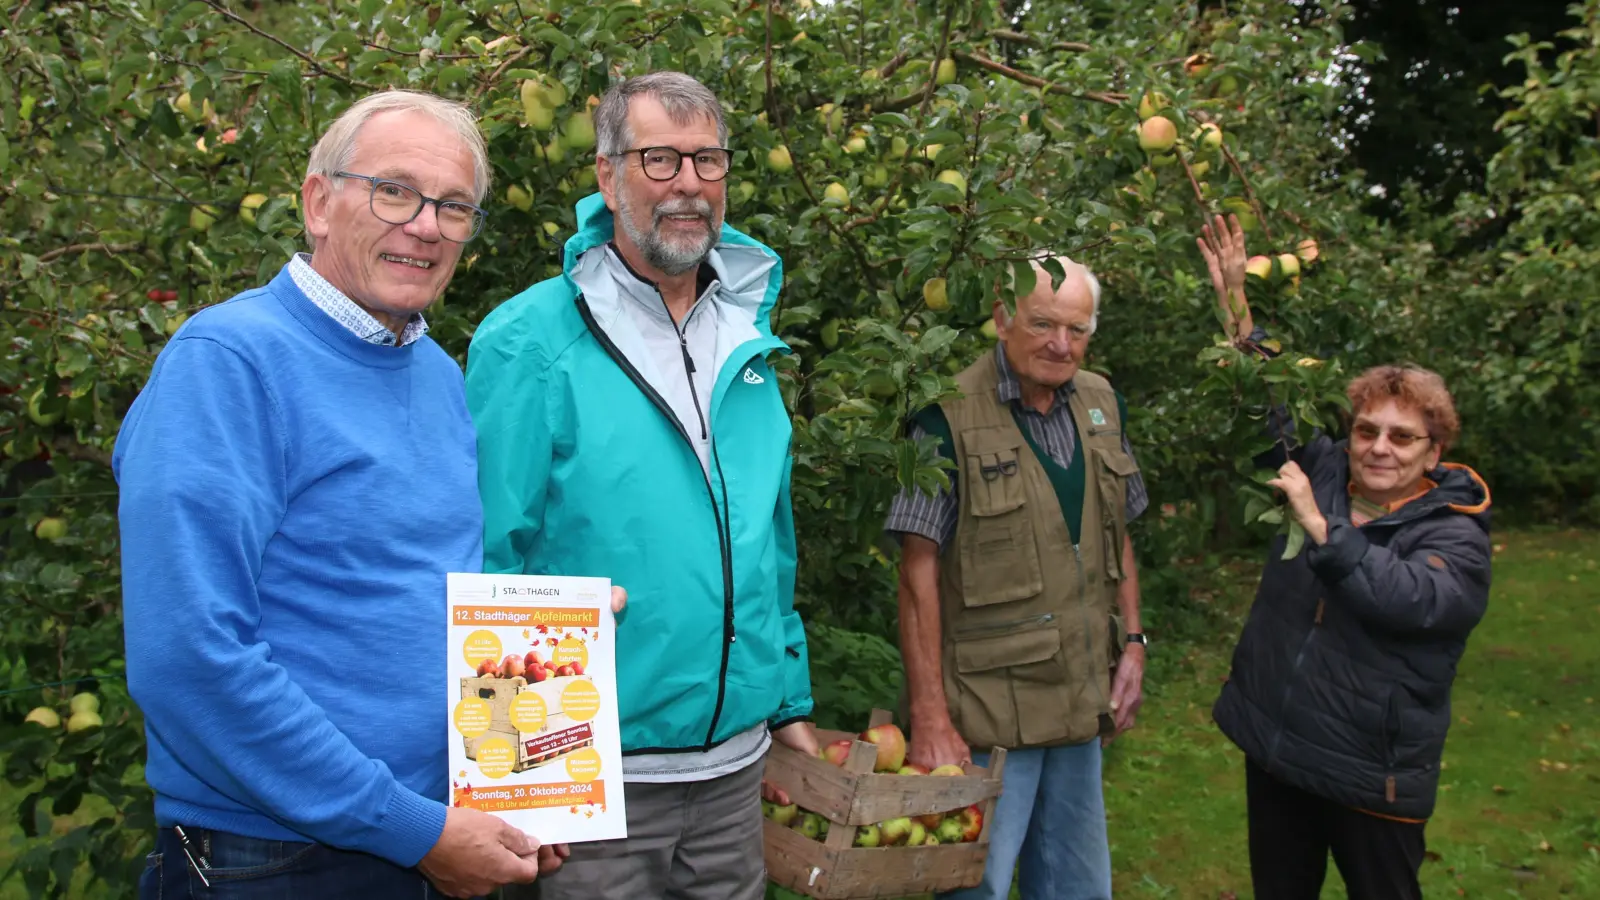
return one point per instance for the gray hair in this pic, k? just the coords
(337, 146)
(685, 100)
(1068, 267)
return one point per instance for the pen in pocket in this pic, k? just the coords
(201, 864)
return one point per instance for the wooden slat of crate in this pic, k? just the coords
(834, 869)
(860, 873)
(842, 796)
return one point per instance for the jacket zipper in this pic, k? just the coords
(1288, 683)
(724, 536)
(688, 365)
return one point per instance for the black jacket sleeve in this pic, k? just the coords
(1439, 587)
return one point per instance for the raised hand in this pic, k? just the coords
(1222, 244)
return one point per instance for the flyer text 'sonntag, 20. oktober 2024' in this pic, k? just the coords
(533, 704)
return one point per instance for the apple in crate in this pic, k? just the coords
(838, 751)
(913, 769)
(513, 666)
(949, 769)
(488, 669)
(868, 836)
(784, 815)
(971, 824)
(950, 830)
(810, 825)
(891, 743)
(896, 830)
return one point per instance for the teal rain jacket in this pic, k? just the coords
(584, 470)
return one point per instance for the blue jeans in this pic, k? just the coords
(247, 868)
(1051, 815)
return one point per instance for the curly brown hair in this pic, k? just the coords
(1412, 387)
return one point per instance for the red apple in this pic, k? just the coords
(532, 659)
(564, 670)
(913, 769)
(577, 667)
(837, 752)
(891, 746)
(489, 669)
(931, 820)
(513, 666)
(537, 674)
(971, 824)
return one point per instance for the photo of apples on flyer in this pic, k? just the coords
(533, 704)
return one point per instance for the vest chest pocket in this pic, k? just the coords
(999, 558)
(1113, 468)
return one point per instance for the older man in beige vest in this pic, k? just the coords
(1018, 592)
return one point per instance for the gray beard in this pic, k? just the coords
(659, 253)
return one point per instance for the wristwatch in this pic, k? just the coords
(1135, 637)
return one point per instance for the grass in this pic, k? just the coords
(1519, 807)
(1519, 804)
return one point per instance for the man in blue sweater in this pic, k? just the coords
(296, 479)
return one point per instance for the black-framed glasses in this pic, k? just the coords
(664, 163)
(397, 203)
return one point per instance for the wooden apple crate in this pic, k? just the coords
(559, 737)
(853, 795)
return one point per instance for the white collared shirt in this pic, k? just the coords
(345, 311)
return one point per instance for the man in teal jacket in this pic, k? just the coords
(630, 427)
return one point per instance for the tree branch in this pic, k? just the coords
(310, 60)
(1114, 99)
(85, 248)
(1017, 37)
(893, 65)
(944, 47)
(1249, 193)
(494, 77)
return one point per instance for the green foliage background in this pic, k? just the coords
(111, 189)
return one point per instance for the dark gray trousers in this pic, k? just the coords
(698, 840)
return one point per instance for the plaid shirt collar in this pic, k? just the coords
(343, 310)
(1010, 388)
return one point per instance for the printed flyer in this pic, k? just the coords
(533, 704)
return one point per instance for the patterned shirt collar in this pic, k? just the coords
(343, 310)
(1010, 389)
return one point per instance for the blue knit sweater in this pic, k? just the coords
(291, 499)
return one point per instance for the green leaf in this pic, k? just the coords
(1295, 541)
(284, 79)
(164, 120)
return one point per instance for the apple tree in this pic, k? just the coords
(907, 158)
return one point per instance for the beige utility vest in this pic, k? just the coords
(1029, 623)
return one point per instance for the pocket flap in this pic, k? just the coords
(1000, 651)
(994, 480)
(1120, 463)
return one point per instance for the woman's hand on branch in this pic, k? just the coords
(1222, 244)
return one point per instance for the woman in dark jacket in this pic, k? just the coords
(1339, 694)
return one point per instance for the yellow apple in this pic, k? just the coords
(1157, 134)
(836, 194)
(249, 205)
(935, 294)
(1259, 266)
(954, 179)
(779, 160)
